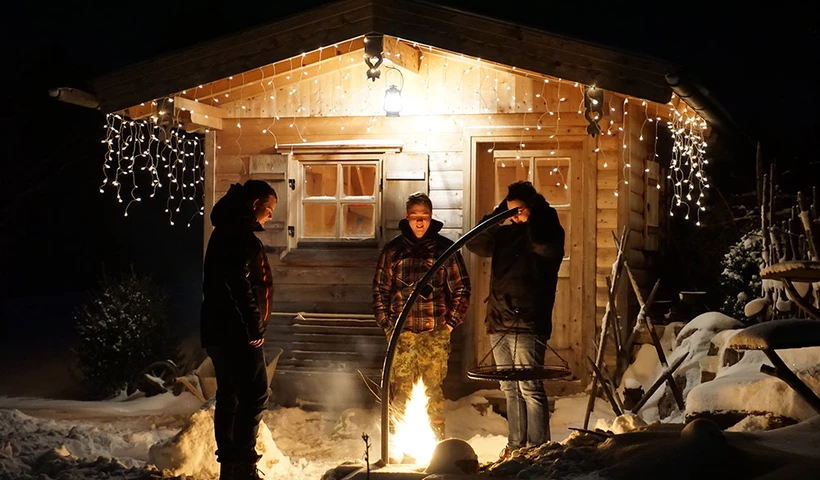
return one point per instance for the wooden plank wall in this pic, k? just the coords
(444, 85)
(335, 104)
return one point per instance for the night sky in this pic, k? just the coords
(58, 233)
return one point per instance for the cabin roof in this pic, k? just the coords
(412, 20)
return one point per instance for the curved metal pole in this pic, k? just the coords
(394, 338)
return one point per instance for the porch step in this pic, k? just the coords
(325, 355)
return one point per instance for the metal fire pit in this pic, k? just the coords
(518, 373)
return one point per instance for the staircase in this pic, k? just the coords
(324, 357)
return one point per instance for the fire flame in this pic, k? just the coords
(414, 437)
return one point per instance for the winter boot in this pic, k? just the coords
(245, 471)
(225, 471)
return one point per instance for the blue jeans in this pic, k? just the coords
(527, 407)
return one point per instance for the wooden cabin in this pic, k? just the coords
(456, 105)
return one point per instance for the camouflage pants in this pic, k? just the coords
(424, 355)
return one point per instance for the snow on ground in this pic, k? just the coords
(167, 436)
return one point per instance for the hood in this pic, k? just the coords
(231, 210)
(435, 227)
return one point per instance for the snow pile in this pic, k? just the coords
(708, 322)
(700, 340)
(744, 389)
(191, 451)
(35, 448)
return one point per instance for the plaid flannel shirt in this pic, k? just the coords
(403, 262)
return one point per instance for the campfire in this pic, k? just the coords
(414, 439)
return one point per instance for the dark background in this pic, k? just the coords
(58, 234)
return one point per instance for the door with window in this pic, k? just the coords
(551, 174)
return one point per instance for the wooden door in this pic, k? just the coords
(551, 174)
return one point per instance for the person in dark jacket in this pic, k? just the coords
(237, 293)
(526, 256)
(424, 342)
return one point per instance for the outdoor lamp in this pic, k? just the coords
(392, 96)
(373, 55)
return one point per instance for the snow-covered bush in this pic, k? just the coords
(740, 279)
(122, 328)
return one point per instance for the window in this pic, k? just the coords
(338, 200)
(550, 177)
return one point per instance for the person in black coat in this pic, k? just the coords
(237, 294)
(526, 256)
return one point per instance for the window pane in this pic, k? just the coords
(320, 220)
(359, 221)
(508, 171)
(320, 180)
(552, 180)
(564, 217)
(359, 180)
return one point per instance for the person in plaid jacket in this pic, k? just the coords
(424, 343)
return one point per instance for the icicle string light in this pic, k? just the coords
(136, 148)
(142, 157)
(686, 167)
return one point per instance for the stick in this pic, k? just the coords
(615, 321)
(660, 381)
(770, 219)
(608, 379)
(630, 341)
(615, 408)
(807, 225)
(763, 229)
(610, 307)
(656, 342)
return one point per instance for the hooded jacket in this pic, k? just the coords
(237, 284)
(403, 262)
(524, 273)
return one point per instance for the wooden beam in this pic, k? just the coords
(184, 104)
(198, 117)
(402, 54)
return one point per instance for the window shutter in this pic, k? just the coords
(273, 169)
(404, 174)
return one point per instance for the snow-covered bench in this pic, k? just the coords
(781, 335)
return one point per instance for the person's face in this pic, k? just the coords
(263, 209)
(419, 217)
(523, 212)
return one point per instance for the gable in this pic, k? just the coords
(432, 25)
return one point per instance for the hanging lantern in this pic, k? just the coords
(392, 96)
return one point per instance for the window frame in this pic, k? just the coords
(340, 161)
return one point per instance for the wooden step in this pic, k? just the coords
(323, 330)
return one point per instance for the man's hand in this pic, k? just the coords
(257, 343)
